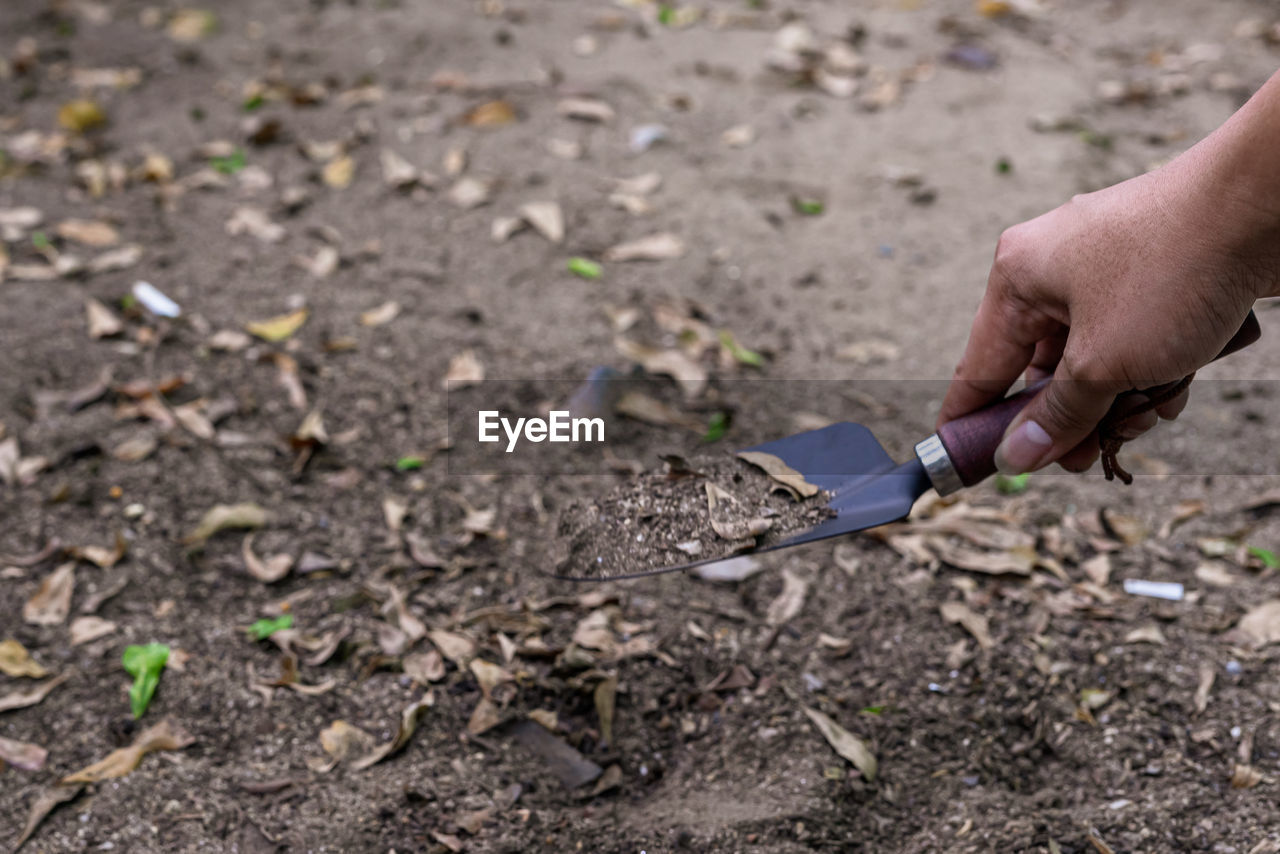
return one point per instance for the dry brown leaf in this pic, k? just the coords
(381, 315)
(397, 172)
(268, 571)
(223, 517)
(650, 410)
(1182, 511)
(1098, 569)
(464, 370)
(190, 25)
(229, 341)
(546, 218)
(676, 364)
(136, 448)
(789, 602)
(1216, 574)
(488, 675)
(16, 661)
(975, 624)
(339, 172)
(256, 223)
(322, 264)
(1203, 687)
(844, 742)
(102, 556)
(162, 736)
(1261, 625)
(869, 352)
(484, 717)
(606, 699)
(1145, 634)
(89, 232)
(781, 472)
(1245, 776)
(81, 115)
(490, 114)
(280, 327)
(458, 648)
(1127, 529)
(42, 806)
(722, 520)
(655, 247)
(33, 695)
(101, 320)
(341, 740)
(22, 754)
(409, 719)
(470, 192)
(424, 667)
(52, 602)
(585, 109)
(89, 628)
(1014, 561)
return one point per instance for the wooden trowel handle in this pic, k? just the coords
(970, 442)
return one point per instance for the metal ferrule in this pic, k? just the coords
(943, 475)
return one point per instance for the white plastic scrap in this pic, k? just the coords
(155, 300)
(1171, 590)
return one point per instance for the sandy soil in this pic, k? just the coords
(1032, 719)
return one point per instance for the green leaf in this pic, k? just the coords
(229, 165)
(666, 14)
(266, 627)
(716, 427)
(128, 301)
(1268, 557)
(1014, 485)
(738, 352)
(1004, 166)
(39, 240)
(585, 267)
(410, 463)
(144, 664)
(873, 710)
(807, 207)
(253, 102)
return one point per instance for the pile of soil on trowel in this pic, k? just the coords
(694, 510)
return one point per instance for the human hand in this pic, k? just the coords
(1131, 287)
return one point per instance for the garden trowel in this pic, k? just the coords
(867, 488)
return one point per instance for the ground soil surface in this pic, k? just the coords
(1013, 695)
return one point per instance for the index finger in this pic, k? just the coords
(1001, 345)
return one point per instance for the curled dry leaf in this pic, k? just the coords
(163, 736)
(52, 797)
(381, 315)
(322, 264)
(89, 232)
(606, 699)
(89, 628)
(223, 517)
(31, 696)
(655, 247)
(975, 624)
(102, 321)
(789, 602)
(1245, 776)
(409, 719)
(101, 556)
(16, 661)
(844, 742)
(280, 327)
(255, 223)
(470, 192)
(490, 114)
(22, 754)
(458, 648)
(424, 667)
(676, 364)
(268, 571)
(781, 472)
(341, 740)
(586, 110)
(546, 218)
(464, 370)
(339, 172)
(725, 523)
(650, 410)
(52, 602)
(488, 675)
(397, 173)
(1145, 634)
(114, 260)
(1260, 625)
(484, 717)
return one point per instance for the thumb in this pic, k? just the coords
(1058, 419)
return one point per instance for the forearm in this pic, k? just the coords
(1231, 179)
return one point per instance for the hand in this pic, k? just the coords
(1127, 288)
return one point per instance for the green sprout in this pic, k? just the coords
(266, 627)
(144, 664)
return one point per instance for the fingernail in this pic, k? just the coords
(1023, 448)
